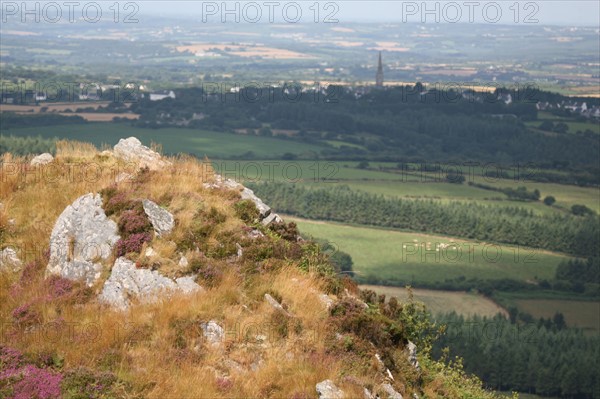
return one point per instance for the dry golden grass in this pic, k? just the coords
(158, 349)
(137, 336)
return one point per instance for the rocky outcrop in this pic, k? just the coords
(132, 150)
(161, 219)
(326, 301)
(276, 305)
(412, 355)
(263, 209)
(42, 159)
(390, 392)
(81, 238)
(9, 260)
(127, 281)
(272, 218)
(123, 177)
(265, 215)
(328, 390)
(213, 332)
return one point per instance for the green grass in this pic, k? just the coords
(410, 184)
(217, 145)
(582, 314)
(193, 141)
(442, 302)
(389, 255)
(573, 125)
(579, 311)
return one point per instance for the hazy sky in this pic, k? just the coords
(546, 12)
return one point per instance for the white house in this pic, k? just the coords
(161, 96)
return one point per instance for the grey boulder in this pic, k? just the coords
(127, 281)
(263, 208)
(132, 150)
(390, 392)
(213, 332)
(161, 219)
(42, 159)
(81, 239)
(9, 260)
(328, 390)
(412, 355)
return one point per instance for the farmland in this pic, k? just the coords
(200, 143)
(463, 303)
(400, 258)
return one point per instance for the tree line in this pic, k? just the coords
(396, 124)
(540, 357)
(576, 235)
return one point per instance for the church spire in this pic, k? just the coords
(379, 75)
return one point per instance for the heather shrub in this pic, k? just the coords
(202, 226)
(246, 210)
(25, 315)
(10, 361)
(83, 383)
(287, 231)
(134, 221)
(133, 243)
(32, 271)
(115, 201)
(210, 274)
(351, 316)
(258, 250)
(33, 382)
(58, 287)
(143, 176)
(222, 246)
(223, 384)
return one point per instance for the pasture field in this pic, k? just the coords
(582, 313)
(405, 258)
(200, 143)
(573, 125)
(463, 303)
(391, 183)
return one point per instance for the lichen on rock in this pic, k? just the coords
(161, 219)
(132, 150)
(81, 239)
(127, 281)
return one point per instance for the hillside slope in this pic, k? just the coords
(125, 274)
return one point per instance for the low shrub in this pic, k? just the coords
(26, 315)
(132, 244)
(134, 221)
(83, 383)
(115, 201)
(246, 210)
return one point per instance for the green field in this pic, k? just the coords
(192, 141)
(585, 315)
(400, 258)
(392, 183)
(463, 303)
(582, 313)
(573, 125)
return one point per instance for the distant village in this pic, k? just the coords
(129, 92)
